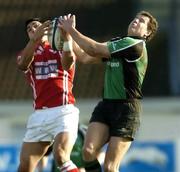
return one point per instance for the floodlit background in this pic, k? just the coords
(157, 147)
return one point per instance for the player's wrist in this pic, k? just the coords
(67, 45)
(33, 40)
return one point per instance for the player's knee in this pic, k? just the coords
(60, 156)
(89, 153)
(110, 167)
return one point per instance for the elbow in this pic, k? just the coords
(67, 66)
(67, 60)
(22, 66)
(98, 50)
(84, 60)
(93, 51)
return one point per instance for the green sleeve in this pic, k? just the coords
(122, 44)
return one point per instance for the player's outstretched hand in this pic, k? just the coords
(67, 22)
(41, 31)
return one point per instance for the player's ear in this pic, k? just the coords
(148, 32)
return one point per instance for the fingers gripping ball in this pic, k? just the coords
(54, 36)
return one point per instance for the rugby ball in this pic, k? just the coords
(54, 36)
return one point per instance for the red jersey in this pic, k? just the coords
(51, 85)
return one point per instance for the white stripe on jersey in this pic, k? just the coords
(116, 50)
(65, 87)
(33, 88)
(67, 90)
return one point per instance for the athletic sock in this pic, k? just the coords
(68, 166)
(93, 166)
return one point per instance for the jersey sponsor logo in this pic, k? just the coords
(44, 70)
(113, 64)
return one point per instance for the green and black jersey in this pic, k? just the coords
(125, 69)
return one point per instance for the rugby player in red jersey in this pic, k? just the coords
(55, 119)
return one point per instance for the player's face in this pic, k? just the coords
(139, 26)
(31, 27)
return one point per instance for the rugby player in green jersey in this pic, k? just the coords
(116, 118)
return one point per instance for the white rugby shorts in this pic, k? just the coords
(45, 124)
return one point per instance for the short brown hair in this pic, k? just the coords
(152, 25)
(31, 20)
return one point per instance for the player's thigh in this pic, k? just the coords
(116, 150)
(97, 135)
(32, 152)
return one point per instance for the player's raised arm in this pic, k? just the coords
(35, 30)
(68, 56)
(89, 45)
(83, 57)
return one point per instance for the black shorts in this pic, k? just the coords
(123, 118)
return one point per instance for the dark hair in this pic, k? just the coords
(31, 20)
(152, 25)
